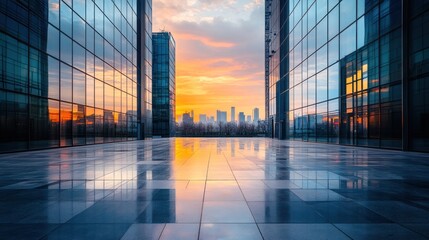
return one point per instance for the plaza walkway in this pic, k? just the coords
(208, 188)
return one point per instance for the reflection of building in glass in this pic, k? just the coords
(71, 72)
(144, 63)
(276, 66)
(164, 84)
(352, 72)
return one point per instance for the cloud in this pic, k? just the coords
(206, 41)
(219, 53)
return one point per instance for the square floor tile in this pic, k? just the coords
(144, 232)
(111, 212)
(422, 229)
(270, 195)
(347, 212)
(318, 195)
(89, 231)
(25, 231)
(179, 231)
(285, 212)
(226, 212)
(171, 212)
(397, 211)
(230, 231)
(378, 231)
(300, 231)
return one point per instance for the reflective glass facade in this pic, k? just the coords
(144, 72)
(164, 84)
(351, 72)
(69, 73)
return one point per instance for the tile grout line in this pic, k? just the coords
(204, 195)
(247, 204)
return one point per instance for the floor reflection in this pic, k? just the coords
(208, 188)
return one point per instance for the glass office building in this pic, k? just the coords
(164, 84)
(144, 70)
(350, 72)
(70, 72)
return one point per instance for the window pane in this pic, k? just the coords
(66, 82)
(66, 124)
(78, 57)
(53, 78)
(322, 86)
(79, 7)
(78, 29)
(66, 19)
(348, 41)
(311, 88)
(347, 12)
(99, 94)
(78, 124)
(333, 50)
(54, 123)
(322, 32)
(322, 8)
(322, 58)
(54, 16)
(333, 21)
(78, 87)
(334, 81)
(109, 97)
(53, 46)
(66, 49)
(89, 91)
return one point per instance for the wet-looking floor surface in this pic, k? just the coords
(208, 188)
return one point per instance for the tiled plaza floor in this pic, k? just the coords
(228, 188)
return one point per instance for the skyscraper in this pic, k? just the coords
(203, 118)
(348, 72)
(255, 115)
(249, 118)
(241, 118)
(187, 119)
(221, 116)
(232, 114)
(144, 62)
(164, 84)
(73, 73)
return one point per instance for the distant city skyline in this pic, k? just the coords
(228, 115)
(220, 53)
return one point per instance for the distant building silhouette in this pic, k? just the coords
(203, 118)
(221, 116)
(255, 115)
(187, 119)
(241, 117)
(164, 84)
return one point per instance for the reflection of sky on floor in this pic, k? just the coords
(214, 189)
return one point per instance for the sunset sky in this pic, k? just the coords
(219, 53)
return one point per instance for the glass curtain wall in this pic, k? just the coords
(164, 96)
(68, 73)
(356, 74)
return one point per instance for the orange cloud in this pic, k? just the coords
(219, 54)
(205, 40)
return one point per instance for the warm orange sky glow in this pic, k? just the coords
(219, 53)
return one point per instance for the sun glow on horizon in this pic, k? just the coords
(219, 54)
